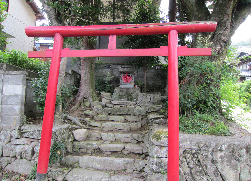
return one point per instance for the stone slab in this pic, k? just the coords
(20, 166)
(78, 174)
(134, 148)
(116, 118)
(101, 117)
(106, 163)
(108, 136)
(86, 144)
(111, 147)
(126, 138)
(115, 126)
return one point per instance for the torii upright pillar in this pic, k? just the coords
(172, 51)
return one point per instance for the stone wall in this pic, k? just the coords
(202, 157)
(12, 86)
(156, 76)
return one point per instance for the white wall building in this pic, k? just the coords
(21, 13)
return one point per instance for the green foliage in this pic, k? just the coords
(203, 124)
(104, 86)
(57, 151)
(33, 172)
(40, 88)
(245, 92)
(200, 85)
(21, 60)
(3, 15)
(146, 12)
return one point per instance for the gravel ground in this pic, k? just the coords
(243, 118)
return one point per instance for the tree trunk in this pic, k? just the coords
(87, 82)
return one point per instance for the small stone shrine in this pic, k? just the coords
(126, 76)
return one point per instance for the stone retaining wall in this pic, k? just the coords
(202, 157)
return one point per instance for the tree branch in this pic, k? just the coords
(239, 15)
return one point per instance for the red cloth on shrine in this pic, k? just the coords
(126, 78)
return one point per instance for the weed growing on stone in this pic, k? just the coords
(33, 172)
(158, 135)
(57, 150)
(203, 124)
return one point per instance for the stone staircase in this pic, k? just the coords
(113, 144)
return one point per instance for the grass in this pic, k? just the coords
(203, 124)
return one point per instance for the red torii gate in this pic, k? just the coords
(172, 51)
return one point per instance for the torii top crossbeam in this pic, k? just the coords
(172, 51)
(121, 29)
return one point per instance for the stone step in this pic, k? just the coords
(116, 136)
(108, 147)
(80, 174)
(111, 163)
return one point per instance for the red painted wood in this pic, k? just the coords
(162, 51)
(173, 108)
(112, 42)
(121, 29)
(49, 109)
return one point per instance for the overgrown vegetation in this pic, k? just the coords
(104, 85)
(40, 88)
(20, 59)
(57, 152)
(203, 124)
(3, 15)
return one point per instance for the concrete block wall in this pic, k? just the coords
(12, 86)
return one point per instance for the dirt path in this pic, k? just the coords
(242, 118)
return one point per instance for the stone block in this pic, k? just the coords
(139, 110)
(140, 164)
(22, 141)
(101, 117)
(20, 166)
(135, 126)
(14, 79)
(122, 111)
(155, 116)
(78, 174)
(138, 137)
(14, 90)
(58, 173)
(5, 137)
(104, 100)
(126, 138)
(158, 151)
(94, 136)
(111, 147)
(157, 176)
(27, 152)
(4, 161)
(106, 163)
(70, 160)
(116, 118)
(108, 136)
(80, 134)
(89, 145)
(12, 121)
(89, 113)
(115, 126)
(157, 165)
(94, 124)
(13, 100)
(12, 110)
(134, 148)
(133, 118)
